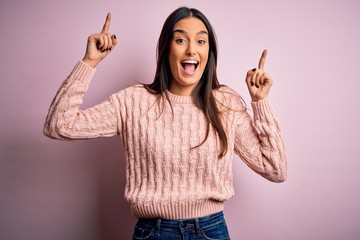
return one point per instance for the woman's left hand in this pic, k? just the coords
(258, 81)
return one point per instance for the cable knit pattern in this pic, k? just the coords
(165, 175)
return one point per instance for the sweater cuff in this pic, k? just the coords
(263, 109)
(82, 72)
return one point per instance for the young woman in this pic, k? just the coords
(180, 132)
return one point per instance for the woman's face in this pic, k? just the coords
(189, 50)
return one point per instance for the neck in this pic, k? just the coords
(181, 90)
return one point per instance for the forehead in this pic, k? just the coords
(190, 25)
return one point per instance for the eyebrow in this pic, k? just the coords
(184, 32)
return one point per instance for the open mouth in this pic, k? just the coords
(189, 66)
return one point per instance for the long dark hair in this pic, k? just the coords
(202, 95)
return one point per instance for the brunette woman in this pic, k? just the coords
(180, 132)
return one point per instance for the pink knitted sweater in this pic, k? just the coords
(165, 176)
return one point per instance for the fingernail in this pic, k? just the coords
(252, 84)
(110, 49)
(254, 69)
(103, 50)
(114, 36)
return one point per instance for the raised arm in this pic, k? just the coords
(65, 120)
(259, 141)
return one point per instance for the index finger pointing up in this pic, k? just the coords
(106, 24)
(262, 59)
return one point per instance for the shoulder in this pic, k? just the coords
(137, 90)
(133, 95)
(225, 92)
(229, 98)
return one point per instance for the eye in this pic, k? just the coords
(201, 41)
(180, 41)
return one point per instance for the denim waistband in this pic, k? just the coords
(198, 222)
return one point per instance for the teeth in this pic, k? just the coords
(190, 61)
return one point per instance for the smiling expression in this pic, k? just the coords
(189, 50)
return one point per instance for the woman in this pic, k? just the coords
(180, 132)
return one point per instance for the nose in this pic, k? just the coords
(190, 51)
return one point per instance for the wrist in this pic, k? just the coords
(254, 99)
(90, 63)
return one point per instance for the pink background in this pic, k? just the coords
(59, 190)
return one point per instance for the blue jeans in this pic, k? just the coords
(212, 227)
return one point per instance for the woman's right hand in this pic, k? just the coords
(99, 45)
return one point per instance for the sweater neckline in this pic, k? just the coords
(179, 99)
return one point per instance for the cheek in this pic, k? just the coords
(174, 69)
(173, 60)
(205, 57)
(205, 61)
(173, 66)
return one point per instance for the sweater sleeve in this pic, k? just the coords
(259, 142)
(65, 120)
